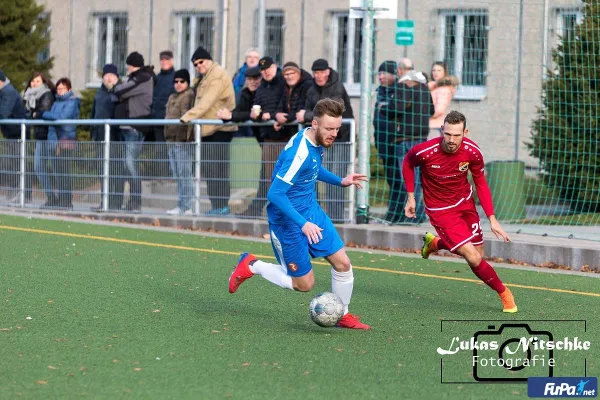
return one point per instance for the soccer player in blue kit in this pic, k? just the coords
(298, 225)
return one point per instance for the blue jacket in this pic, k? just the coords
(65, 107)
(162, 90)
(240, 79)
(11, 107)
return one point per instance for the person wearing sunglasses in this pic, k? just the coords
(213, 93)
(180, 142)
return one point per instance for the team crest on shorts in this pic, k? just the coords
(293, 267)
(463, 166)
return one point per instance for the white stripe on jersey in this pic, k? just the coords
(429, 148)
(299, 157)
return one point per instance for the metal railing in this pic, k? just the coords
(89, 167)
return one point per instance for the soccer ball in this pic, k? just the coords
(326, 309)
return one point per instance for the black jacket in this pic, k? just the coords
(294, 100)
(418, 107)
(241, 112)
(268, 96)
(44, 103)
(162, 90)
(103, 107)
(333, 89)
(11, 107)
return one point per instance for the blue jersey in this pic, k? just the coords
(298, 165)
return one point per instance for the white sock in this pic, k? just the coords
(342, 284)
(274, 273)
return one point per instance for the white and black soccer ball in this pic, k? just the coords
(326, 309)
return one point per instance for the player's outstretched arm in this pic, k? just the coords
(497, 229)
(354, 179)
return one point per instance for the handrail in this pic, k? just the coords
(142, 122)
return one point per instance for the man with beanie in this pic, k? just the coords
(103, 107)
(213, 92)
(135, 100)
(162, 91)
(180, 142)
(327, 84)
(386, 119)
(11, 107)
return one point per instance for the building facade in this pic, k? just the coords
(499, 49)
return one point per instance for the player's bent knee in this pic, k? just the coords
(343, 265)
(303, 284)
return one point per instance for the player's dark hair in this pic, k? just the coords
(330, 107)
(455, 118)
(64, 81)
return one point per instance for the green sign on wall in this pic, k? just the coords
(405, 32)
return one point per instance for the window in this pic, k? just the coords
(463, 45)
(274, 34)
(44, 22)
(346, 50)
(566, 22)
(194, 30)
(109, 43)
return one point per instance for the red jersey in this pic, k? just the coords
(444, 175)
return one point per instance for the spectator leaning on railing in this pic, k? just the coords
(135, 100)
(181, 154)
(62, 141)
(11, 107)
(213, 92)
(38, 97)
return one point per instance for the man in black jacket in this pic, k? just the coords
(241, 112)
(327, 84)
(103, 107)
(11, 107)
(268, 96)
(417, 106)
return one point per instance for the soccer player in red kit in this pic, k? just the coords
(448, 196)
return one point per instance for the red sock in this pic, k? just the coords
(441, 245)
(486, 273)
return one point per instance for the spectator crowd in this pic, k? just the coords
(409, 107)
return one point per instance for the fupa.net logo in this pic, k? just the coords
(562, 387)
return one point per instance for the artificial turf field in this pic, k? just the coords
(112, 312)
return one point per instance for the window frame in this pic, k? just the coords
(271, 12)
(352, 86)
(463, 92)
(92, 80)
(178, 44)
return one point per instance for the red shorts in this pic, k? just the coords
(458, 225)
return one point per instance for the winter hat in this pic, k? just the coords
(320, 65)
(291, 65)
(388, 66)
(265, 62)
(135, 59)
(182, 74)
(110, 69)
(167, 54)
(252, 72)
(201, 54)
(2, 76)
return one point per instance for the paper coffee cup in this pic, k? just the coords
(256, 109)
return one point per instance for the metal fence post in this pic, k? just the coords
(197, 159)
(106, 167)
(352, 191)
(22, 154)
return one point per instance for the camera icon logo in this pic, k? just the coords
(511, 353)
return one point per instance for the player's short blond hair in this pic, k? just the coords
(330, 107)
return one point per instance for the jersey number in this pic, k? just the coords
(476, 227)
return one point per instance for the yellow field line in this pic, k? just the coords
(213, 251)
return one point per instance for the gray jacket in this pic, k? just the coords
(135, 95)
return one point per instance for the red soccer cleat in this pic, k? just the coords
(241, 272)
(351, 321)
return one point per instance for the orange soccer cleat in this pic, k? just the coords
(352, 321)
(241, 272)
(430, 244)
(508, 302)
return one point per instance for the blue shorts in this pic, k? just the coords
(291, 246)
